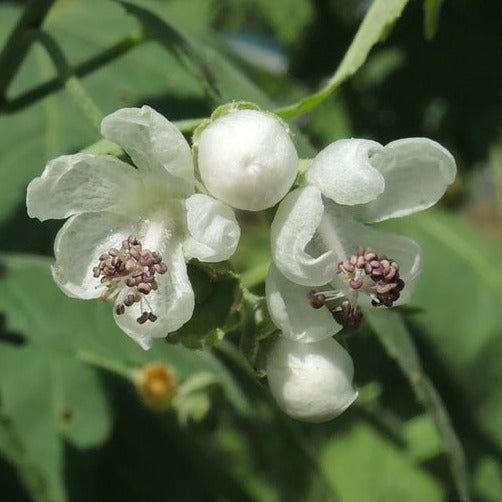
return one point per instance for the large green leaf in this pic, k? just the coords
(56, 125)
(459, 298)
(363, 466)
(46, 397)
(393, 334)
(49, 387)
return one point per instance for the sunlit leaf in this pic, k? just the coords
(394, 336)
(364, 466)
(56, 125)
(459, 298)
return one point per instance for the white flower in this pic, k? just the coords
(247, 159)
(311, 381)
(131, 229)
(319, 239)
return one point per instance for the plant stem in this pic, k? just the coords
(71, 83)
(17, 44)
(92, 64)
(102, 363)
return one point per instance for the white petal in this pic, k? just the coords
(172, 302)
(79, 183)
(292, 233)
(78, 245)
(213, 230)
(155, 146)
(247, 159)
(292, 313)
(341, 232)
(311, 381)
(344, 173)
(417, 172)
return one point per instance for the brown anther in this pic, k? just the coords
(317, 300)
(135, 252)
(382, 289)
(379, 278)
(161, 268)
(133, 267)
(149, 279)
(390, 274)
(347, 314)
(144, 288)
(129, 300)
(142, 318)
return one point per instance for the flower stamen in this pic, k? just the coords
(133, 267)
(364, 272)
(373, 274)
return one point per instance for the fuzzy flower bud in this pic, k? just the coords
(157, 385)
(247, 159)
(311, 382)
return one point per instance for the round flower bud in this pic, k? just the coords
(157, 385)
(247, 159)
(311, 382)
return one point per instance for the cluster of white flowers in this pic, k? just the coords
(132, 229)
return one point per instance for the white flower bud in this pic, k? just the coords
(311, 382)
(247, 159)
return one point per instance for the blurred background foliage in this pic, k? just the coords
(427, 424)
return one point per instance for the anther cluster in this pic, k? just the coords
(364, 272)
(383, 272)
(136, 268)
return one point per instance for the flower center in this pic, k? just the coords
(364, 272)
(135, 268)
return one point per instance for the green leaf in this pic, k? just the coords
(217, 298)
(85, 331)
(395, 337)
(55, 125)
(26, 385)
(364, 466)
(432, 9)
(488, 479)
(377, 23)
(458, 300)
